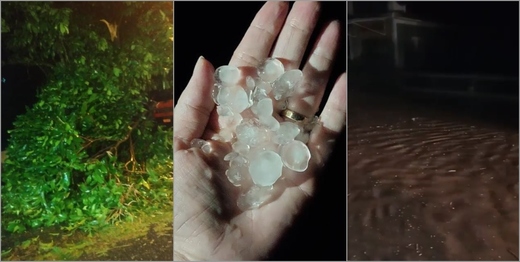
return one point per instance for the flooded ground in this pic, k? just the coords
(431, 183)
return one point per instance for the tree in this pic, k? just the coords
(88, 152)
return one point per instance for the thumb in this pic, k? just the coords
(194, 106)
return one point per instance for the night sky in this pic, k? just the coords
(485, 13)
(489, 13)
(483, 40)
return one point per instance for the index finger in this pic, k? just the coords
(260, 36)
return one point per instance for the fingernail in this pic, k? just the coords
(199, 63)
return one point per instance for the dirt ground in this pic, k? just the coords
(155, 246)
(148, 238)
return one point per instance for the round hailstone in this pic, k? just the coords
(265, 168)
(237, 170)
(286, 133)
(230, 156)
(263, 108)
(270, 70)
(246, 132)
(224, 111)
(214, 93)
(230, 121)
(260, 93)
(227, 75)
(284, 85)
(226, 134)
(234, 97)
(296, 156)
(264, 86)
(240, 147)
(254, 197)
(204, 145)
(250, 134)
(234, 176)
(250, 82)
(270, 122)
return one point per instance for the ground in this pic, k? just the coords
(149, 237)
(432, 181)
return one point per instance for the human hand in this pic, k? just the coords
(208, 224)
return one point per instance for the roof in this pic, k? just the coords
(398, 19)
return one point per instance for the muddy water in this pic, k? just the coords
(427, 184)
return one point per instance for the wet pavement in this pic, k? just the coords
(431, 183)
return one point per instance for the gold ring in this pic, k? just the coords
(292, 115)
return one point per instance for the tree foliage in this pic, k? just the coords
(88, 152)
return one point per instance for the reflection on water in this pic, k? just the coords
(427, 185)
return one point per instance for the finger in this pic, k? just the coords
(294, 38)
(195, 105)
(334, 114)
(259, 38)
(307, 96)
(332, 121)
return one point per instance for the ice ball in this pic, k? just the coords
(295, 156)
(227, 75)
(265, 168)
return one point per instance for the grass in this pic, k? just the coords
(55, 244)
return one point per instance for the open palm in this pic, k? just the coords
(207, 222)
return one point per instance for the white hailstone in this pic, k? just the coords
(264, 87)
(285, 84)
(286, 133)
(238, 161)
(254, 197)
(227, 75)
(261, 145)
(226, 134)
(259, 94)
(295, 156)
(233, 97)
(204, 145)
(303, 137)
(214, 93)
(265, 168)
(230, 156)
(237, 170)
(270, 70)
(224, 111)
(240, 147)
(230, 121)
(234, 176)
(251, 134)
(250, 82)
(270, 122)
(264, 107)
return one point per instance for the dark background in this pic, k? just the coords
(18, 91)
(487, 32)
(214, 30)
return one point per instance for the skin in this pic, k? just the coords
(207, 223)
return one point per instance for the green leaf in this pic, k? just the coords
(148, 57)
(63, 29)
(163, 16)
(83, 108)
(117, 71)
